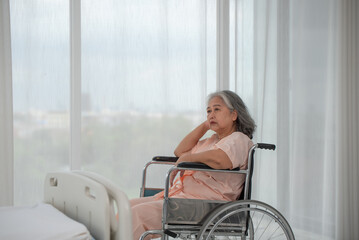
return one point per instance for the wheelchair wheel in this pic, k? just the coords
(246, 219)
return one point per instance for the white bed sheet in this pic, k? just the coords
(42, 222)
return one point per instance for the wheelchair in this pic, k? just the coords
(208, 219)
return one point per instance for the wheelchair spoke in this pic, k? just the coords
(266, 228)
(245, 221)
(278, 236)
(259, 224)
(271, 237)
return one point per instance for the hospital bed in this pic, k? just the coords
(77, 205)
(207, 219)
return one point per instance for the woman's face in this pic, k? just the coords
(220, 117)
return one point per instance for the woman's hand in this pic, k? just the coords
(173, 176)
(206, 124)
(191, 139)
(184, 158)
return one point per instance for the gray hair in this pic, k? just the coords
(244, 121)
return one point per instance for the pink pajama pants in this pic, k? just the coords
(146, 215)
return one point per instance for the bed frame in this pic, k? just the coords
(92, 200)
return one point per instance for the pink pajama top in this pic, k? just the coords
(212, 185)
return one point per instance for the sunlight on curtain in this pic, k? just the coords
(308, 120)
(312, 139)
(265, 100)
(40, 54)
(147, 69)
(241, 49)
(300, 179)
(251, 80)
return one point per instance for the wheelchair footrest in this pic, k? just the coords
(170, 233)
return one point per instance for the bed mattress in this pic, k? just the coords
(42, 221)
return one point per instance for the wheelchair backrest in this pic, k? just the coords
(246, 193)
(248, 182)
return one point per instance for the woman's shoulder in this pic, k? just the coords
(205, 144)
(235, 136)
(238, 138)
(239, 135)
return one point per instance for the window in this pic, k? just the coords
(146, 71)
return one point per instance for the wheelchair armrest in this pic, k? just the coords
(193, 165)
(157, 160)
(200, 166)
(164, 159)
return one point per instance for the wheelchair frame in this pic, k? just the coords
(215, 220)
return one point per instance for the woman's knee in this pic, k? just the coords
(145, 209)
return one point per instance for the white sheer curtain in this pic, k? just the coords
(306, 60)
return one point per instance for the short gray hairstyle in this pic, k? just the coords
(244, 121)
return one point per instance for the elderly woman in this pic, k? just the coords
(228, 148)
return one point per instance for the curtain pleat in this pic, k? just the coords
(347, 197)
(6, 119)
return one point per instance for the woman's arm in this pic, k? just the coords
(191, 139)
(216, 159)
